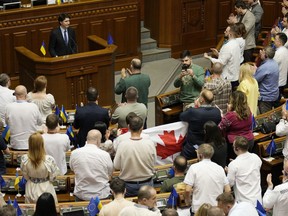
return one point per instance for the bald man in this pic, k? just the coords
(22, 118)
(134, 77)
(221, 88)
(93, 168)
(196, 117)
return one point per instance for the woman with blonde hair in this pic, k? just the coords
(39, 169)
(45, 102)
(249, 86)
(237, 122)
(203, 209)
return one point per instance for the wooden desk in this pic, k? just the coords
(167, 107)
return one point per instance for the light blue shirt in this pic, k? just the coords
(267, 76)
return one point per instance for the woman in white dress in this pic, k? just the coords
(38, 169)
(45, 102)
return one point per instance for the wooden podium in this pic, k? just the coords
(70, 76)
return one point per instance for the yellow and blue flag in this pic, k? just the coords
(94, 206)
(70, 133)
(6, 133)
(42, 48)
(17, 181)
(22, 183)
(110, 39)
(57, 111)
(207, 73)
(63, 114)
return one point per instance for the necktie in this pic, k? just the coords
(65, 37)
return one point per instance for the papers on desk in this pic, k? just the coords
(255, 134)
(166, 109)
(268, 159)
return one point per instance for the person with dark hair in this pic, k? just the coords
(227, 202)
(237, 122)
(214, 137)
(205, 180)
(244, 173)
(137, 79)
(137, 169)
(196, 118)
(44, 101)
(56, 144)
(229, 56)
(284, 23)
(119, 202)
(45, 205)
(146, 205)
(126, 135)
(169, 212)
(179, 166)
(240, 33)
(281, 58)
(39, 169)
(87, 116)
(248, 19)
(93, 169)
(62, 39)
(221, 88)
(190, 80)
(255, 7)
(106, 143)
(120, 113)
(267, 76)
(6, 95)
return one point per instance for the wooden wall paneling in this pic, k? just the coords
(152, 17)
(271, 12)
(121, 36)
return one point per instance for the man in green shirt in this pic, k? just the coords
(180, 166)
(136, 79)
(190, 81)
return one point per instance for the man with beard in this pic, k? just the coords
(190, 81)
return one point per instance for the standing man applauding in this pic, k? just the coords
(62, 39)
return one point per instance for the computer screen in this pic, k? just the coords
(74, 213)
(12, 5)
(39, 2)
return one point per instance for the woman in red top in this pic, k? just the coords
(237, 121)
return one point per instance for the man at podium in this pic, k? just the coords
(62, 39)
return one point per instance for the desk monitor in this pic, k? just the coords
(74, 213)
(39, 2)
(12, 5)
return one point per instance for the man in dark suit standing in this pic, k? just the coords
(85, 117)
(62, 39)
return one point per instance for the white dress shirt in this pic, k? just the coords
(282, 130)
(229, 57)
(93, 168)
(280, 57)
(243, 208)
(57, 145)
(6, 97)
(23, 119)
(244, 175)
(208, 180)
(277, 199)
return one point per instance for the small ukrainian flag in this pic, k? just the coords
(42, 48)
(6, 134)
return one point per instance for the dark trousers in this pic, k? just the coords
(188, 151)
(265, 106)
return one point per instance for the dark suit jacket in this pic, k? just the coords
(85, 118)
(57, 46)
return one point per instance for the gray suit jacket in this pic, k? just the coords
(249, 21)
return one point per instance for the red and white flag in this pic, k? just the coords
(168, 140)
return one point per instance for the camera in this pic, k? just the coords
(185, 67)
